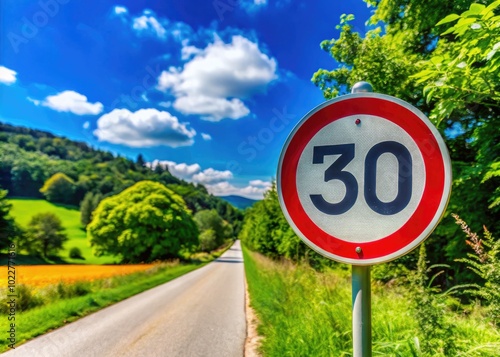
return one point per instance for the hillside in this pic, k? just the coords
(23, 209)
(238, 201)
(30, 157)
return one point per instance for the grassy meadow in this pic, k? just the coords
(306, 313)
(22, 211)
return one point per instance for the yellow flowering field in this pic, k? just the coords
(42, 275)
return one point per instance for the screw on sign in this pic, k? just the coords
(364, 178)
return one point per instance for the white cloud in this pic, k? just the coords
(181, 170)
(118, 10)
(143, 128)
(216, 182)
(70, 101)
(165, 104)
(7, 76)
(212, 83)
(206, 137)
(86, 125)
(189, 51)
(212, 109)
(149, 24)
(34, 101)
(260, 183)
(211, 176)
(226, 189)
(251, 6)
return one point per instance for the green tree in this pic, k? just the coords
(87, 207)
(145, 222)
(265, 229)
(9, 230)
(210, 220)
(460, 77)
(208, 240)
(44, 236)
(59, 188)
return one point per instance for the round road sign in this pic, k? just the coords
(364, 178)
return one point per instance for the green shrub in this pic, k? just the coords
(76, 253)
(26, 299)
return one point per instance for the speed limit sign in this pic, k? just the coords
(364, 178)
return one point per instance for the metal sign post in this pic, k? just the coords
(361, 311)
(361, 290)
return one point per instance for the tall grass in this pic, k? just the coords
(306, 313)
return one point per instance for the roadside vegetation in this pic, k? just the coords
(304, 312)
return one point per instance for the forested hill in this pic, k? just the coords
(28, 158)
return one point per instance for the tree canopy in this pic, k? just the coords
(9, 230)
(45, 235)
(59, 188)
(143, 223)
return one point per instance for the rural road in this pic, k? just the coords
(199, 314)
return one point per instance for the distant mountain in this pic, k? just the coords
(238, 201)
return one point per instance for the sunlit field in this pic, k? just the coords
(43, 275)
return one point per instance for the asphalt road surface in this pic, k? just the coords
(199, 314)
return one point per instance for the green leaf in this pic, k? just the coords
(449, 18)
(476, 8)
(490, 8)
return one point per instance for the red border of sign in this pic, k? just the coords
(435, 188)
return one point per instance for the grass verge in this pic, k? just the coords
(97, 295)
(306, 313)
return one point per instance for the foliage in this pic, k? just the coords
(143, 223)
(210, 222)
(70, 217)
(88, 205)
(9, 230)
(460, 73)
(76, 253)
(59, 188)
(449, 74)
(485, 262)
(436, 334)
(460, 77)
(266, 230)
(44, 235)
(208, 240)
(305, 313)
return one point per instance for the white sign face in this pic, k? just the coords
(364, 178)
(362, 137)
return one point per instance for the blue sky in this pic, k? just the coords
(210, 89)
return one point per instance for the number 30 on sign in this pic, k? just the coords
(364, 178)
